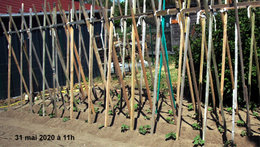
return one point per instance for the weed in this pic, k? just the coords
(240, 123)
(75, 109)
(220, 129)
(136, 107)
(148, 111)
(119, 97)
(100, 103)
(196, 126)
(197, 141)
(229, 143)
(210, 109)
(190, 107)
(124, 128)
(65, 119)
(96, 110)
(100, 127)
(144, 129)
(170, 112)
(170, 135)
(147, 117)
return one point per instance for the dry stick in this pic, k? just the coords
(21, 59)
(15, 59)
(106, 38)
(109, 66)
(223, 60)
(132, 68)
(183, 78)
(124, 37)
(80, 40)
(157, 52)
(140, 54)
(9, 63)
(98, 56)
(54, 13)
(30, 57)
(91, 35)
(242, 70)
(77, 56)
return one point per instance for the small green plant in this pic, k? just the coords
(196, 126)
(100, 127)
(124, 128)
(220, 129)
(144, 129)
(52, 115)
(148, 111)
(147, 117)
(170, 120)
(170, 112)
(255, 114)
(110, 112)
(253, 106)
(197, 141)
(240, 123)
(78, 101)
(40, 112)
(229, 143)
(100, 103)
(86, 121)
(229, 110)
(75, 109)
(190, 107)
(5, 109)
(243, 133)
(170, 135)
(65, 119)
(210, 109)
(118, 97)
(96, 110)
(136, 107)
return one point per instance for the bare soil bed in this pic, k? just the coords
(19, 121)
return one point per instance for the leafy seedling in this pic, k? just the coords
(96, 110)
(144, 129)
(136, 107)
(100, 127)
(170, 120)
(255, 114)
(78, 101)
(197, 141)
(243, 133)
(65, 119)
(110, 112)
(100, 103)
(220, 129)
(40, 112)
(124, 128)
(148, 111)
(190, 107)
(52, 115)
(170, 112)
(210, 109)
(196, 126)
(147, 117)
(118, 97)
(75, 109)
(240, 123)
(229, 110)
(170, 135)
(229, 143)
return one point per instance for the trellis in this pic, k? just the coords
(182, 11)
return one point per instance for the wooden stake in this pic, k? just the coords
(53, 60)
(183, 78)
(124, 38)
(21, 59)
(43, 62)
(30, 56)
(109, 66)
(71, 32)
(9, 63)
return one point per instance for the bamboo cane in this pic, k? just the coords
(124, 37)
(54, 77)
(30, 57)
(257, 67)
(190, 85)
(71, 32)
(109, 66)
(80, 40)
(242, 70)
(43, 61)
(183, 78)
